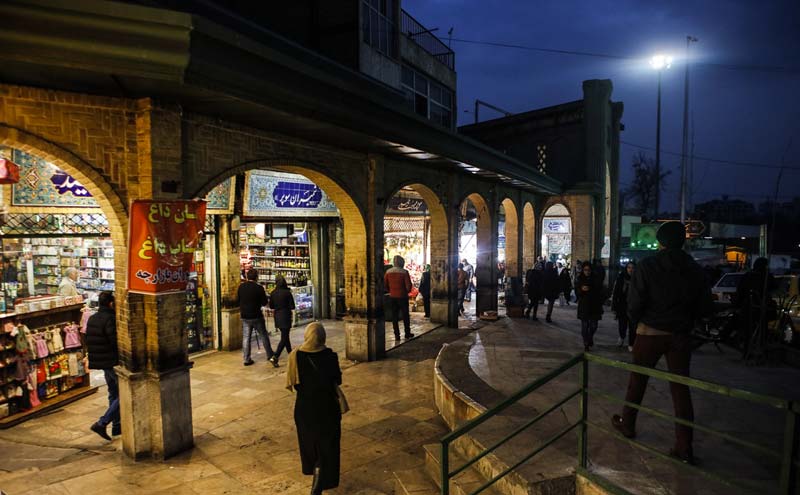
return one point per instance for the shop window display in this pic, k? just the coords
(276, 249)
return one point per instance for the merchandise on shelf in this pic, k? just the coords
(41, 357)
(93, 257)
(274, 256)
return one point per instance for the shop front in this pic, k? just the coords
(291, 228)
(58, 256)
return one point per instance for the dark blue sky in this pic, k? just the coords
(739, 115)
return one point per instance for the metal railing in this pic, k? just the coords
(788, 456)
(419, 34)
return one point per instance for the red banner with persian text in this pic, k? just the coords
(163, 237)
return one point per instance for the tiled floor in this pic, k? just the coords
(244, 432)
(498, 359)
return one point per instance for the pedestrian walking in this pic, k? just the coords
(281, 302)
(599, 271)
(102, 354)
(314, 373)
(550, 288)
(619, 305)
(461, 285)
(398, 282)
(565, 285)
(533, 287)
(667, 295)
(425, 290)
(590, 303)
(470, 274)
(251, 298)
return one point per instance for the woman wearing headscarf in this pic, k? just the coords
(314, 373)
(425, 290)
(281, 301)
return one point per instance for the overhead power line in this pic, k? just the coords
(749, 67)
(716, 160)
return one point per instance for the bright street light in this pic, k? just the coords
(659, 62)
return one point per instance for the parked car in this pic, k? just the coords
(725, 288)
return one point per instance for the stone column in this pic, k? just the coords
(486, 262)
(229, 273)
(364, 323)
(155, 393)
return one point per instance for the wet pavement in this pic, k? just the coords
(245, 439)
(498, 359)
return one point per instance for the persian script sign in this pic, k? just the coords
(163, 237)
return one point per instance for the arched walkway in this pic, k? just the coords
(360, 281)
(486, 284)
(528, 237)
(512, 238)
(557, 228)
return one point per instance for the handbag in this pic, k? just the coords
(340, 397)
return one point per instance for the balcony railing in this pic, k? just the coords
(419, 34)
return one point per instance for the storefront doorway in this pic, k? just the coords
(557, 235)
(475, 247)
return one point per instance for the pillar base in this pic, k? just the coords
(156, 412)
(231, 331)
(442, 313)
(364, 338)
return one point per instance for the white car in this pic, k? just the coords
(725, 288)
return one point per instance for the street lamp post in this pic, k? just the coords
(659, 63)
(685, 143)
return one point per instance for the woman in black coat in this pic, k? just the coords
(425, 290)
(281, 301)
(619, 305)
(314, 374)
(590, 303)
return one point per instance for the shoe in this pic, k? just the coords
(409, 335)
(249, 362)
(548, 320)
(100, 430)
(274, 361)
(620, 342)
(535, 319)
(684, 457)
(619, 424)
(397, 336)
(116, 431)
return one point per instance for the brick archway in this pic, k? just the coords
(528, 236)
(557, 209)
(440, 249)
(110, 203)
(486, 290)
(512, 238)
(358, 279)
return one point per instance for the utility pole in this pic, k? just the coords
(658, 148)
(685, 144)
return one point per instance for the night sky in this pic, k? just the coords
(739, 115)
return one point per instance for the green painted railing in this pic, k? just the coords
(788, 455)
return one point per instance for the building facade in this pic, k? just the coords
(154, 102)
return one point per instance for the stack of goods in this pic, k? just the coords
(38, 364)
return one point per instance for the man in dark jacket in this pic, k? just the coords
(251, 298)
(667, 295)
(533, 287)
(101, 343)
(550, 287)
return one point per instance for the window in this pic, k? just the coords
(541, 151)
(377, 25)
(428, 98)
